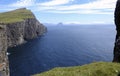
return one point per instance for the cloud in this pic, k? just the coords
(59, 6)
(55, 2)
(81, 12)
(98, 4)
(18, 4)
(95, 7)
(92, 22)
(23, 3)
(104, 7)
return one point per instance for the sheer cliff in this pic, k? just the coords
(116, 57)
(16, 27)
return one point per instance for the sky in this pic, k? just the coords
(66, 11)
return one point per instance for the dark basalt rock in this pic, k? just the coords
(12, 34)
(117, 40)
(19, 32)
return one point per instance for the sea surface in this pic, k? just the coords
(63, 46)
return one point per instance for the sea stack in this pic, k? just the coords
(117, 40)
(16, 27)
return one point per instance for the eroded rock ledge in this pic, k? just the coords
(15, 33)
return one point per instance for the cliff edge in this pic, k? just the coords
(16, 27)
(93, 69)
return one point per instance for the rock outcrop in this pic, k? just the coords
(19, 32)
(117, 40)
(16, 32)
(4, 66)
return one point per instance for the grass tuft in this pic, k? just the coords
(93, 69)
(15, 16)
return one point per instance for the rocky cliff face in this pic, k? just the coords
(16, 33)
(4, 66)
(117, 40)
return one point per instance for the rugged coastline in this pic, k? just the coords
(16, 32)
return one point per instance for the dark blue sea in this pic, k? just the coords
(63, 46)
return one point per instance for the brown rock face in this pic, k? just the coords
(4, 66)
(117, 40)
(19, 32)
(15, 34)
(12, 34)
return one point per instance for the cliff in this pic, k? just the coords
(18, 32)
(117, 40)
(16, 27)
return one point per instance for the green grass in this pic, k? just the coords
(93, 69)
(15, 16)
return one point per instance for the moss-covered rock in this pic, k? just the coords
(15, 16)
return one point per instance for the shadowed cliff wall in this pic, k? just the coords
(117, 40)
(16, 33)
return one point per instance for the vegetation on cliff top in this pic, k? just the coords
(15, 16)
(93, 69)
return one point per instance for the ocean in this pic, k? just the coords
(63, 46)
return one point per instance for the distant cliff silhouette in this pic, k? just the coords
(117, 40)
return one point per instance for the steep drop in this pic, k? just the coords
(16, 27)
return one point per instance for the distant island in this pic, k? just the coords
(20, 25)
(60, 24)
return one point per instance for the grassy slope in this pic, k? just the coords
(93, 69)
(15, 16)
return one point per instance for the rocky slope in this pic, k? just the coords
(15, 31)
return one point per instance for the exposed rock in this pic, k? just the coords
(15, 33)
(4, 66)
(117, 40)
(18, 32)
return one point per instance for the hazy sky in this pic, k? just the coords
(66, 11)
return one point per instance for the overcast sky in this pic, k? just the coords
(66, 11)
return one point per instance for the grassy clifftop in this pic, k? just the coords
(15, 15)
(93, 69)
